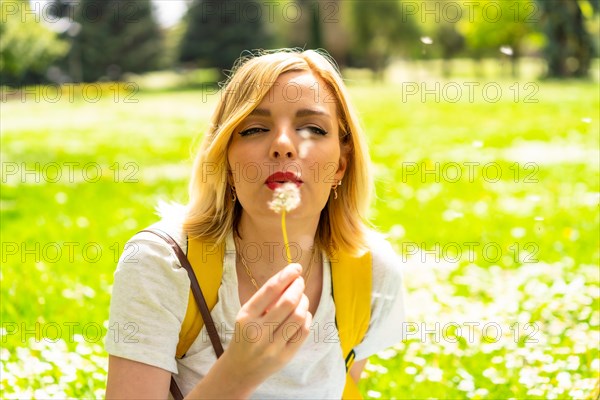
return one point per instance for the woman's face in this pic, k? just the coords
(292, 135)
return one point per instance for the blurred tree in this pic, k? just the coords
(305, 29)
(451, 42)
(27, 48)
(569, 48)
(499, 26)
(380, 32)
(218, 32)
(335, 29)
(172, 40)
(311, 24)
(61, 8)
(316, 31)
(110, 38)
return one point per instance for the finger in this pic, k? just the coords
(296, 317)
(272, 290)
(300, 336)
(286, 304)
(285, 330)
(299, 312)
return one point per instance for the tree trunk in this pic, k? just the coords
(569, 49)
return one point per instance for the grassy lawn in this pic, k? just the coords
(490, 198)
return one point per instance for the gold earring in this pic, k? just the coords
(335, 194)
(234, 197)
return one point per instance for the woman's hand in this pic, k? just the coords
(272, 325)
(270, 328)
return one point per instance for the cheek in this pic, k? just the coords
(237, 155)
(235, 160)
(327, 172)
(325, 165)
(245, 171)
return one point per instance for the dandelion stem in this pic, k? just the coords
(285, 238)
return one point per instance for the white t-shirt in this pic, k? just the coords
(150, 297)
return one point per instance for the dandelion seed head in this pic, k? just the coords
(305, 147)
(61, 197)
(285, 198)
(410, 370)
(466, 385)
(518, 232)
(304, 134)
(506, 50)
(433, 374)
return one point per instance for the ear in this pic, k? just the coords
(342, 164)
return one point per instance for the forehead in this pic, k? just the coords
(301, 88)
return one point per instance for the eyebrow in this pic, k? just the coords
(260, 112)
(310, 111)
(263, 112)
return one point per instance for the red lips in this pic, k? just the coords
(279, 178)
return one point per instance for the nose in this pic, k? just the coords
(283, 146)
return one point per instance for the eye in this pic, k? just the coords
(251, 131)
(314, 129)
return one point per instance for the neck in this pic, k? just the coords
(262, 244)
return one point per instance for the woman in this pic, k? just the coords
(283, 116)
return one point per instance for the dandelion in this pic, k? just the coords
(306, 144)
(506, 50)
(518, 232)
(61, 197)
(387, 354)
(285, 199)
(466, 385)
(433, 374)
(564, 380)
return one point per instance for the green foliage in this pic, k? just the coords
(218, 32)
(116, 37)
(143, 150)
(172, 39)
(27, 48)
(450, 40)
(380, 31)
(499, 23)
(569, 48)
(543, 216)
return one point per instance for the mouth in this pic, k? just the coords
(279, 178)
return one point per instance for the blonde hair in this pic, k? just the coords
(210, 212)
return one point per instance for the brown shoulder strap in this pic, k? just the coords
(174, 389)
(197, 292)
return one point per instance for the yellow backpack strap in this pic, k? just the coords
(351, 281)
(207, 262)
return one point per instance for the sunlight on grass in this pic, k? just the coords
(492, 207)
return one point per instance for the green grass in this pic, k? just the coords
(541, 215)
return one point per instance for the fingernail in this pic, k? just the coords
(297, 267)
(299, 281)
